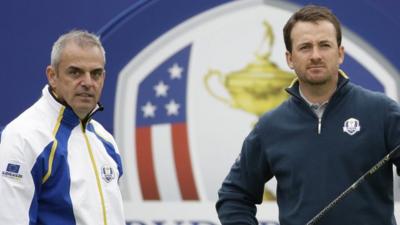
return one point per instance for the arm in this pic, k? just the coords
(244, 185)
(16, 183)
(392, 130)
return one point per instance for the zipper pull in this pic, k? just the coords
(319, 125)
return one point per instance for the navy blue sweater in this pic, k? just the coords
(313, 167)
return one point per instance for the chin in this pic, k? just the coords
(318, 79)
(84, 109)
(318, 82)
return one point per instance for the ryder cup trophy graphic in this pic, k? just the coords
(257, 88)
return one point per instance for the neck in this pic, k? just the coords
(82, 116)
(318, 94)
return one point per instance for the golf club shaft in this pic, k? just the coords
(371, 171)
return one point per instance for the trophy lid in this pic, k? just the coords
(261, 70)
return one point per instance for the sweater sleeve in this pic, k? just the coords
(16, 182)
(392, 130)
(244, 185)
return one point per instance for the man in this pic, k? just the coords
(317, 143)
(58, 165)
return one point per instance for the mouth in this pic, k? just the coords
(85, 95)
(316, 67)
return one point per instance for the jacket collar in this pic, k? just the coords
(69, 116)
(342, 86)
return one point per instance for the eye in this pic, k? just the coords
(325, 45)
(96, 74)
(304, 47)
(73, 72)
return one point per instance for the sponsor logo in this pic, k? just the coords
(12, 171)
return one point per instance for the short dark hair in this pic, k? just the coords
(311, 13)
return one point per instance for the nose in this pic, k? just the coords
(86, 80)
(315, 55)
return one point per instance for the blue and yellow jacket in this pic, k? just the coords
(315, 160)
(56, 169)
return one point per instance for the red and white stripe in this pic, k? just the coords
(164, 163)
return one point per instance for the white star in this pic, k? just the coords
(172, 108)
(149, 110)
(175, 71)
(161, 89)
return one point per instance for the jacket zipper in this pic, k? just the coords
(319, 126)
(294, 94)
(98, 181)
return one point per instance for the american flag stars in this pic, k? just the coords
(172, 108)
(149, 110)
(175, 71)
(161, 91)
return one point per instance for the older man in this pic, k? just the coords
(58, 165)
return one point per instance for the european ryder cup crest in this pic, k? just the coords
(351, 126)
(107, 173)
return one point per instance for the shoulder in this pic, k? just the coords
(359, 91)
(369, 97)
(277, 114)
(26, 124)
(23, 140)
(101, 131)
(31, 130)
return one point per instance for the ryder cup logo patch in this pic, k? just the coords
(351, 126)
(107, 173)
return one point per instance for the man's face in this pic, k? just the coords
(315, 55)
(79, 78)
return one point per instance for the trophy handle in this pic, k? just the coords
(219, 75)
(268, 40)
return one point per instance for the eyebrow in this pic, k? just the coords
(98, 70)
(80, 69)
(305, 43)
(326, 41)
(73, 68)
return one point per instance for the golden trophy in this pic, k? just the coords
(257, 88)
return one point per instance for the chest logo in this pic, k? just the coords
(107, 173)
(351, 126)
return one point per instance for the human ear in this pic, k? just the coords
(289, 59)
(341, 54)
(51, 76)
